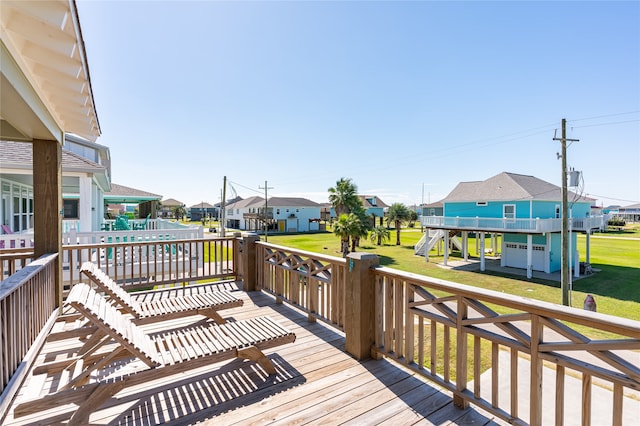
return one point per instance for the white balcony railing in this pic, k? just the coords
(511, 225)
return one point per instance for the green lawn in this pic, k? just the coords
(616, 285)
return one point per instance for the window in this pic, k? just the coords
(509, 211)
(481, 203)
(70, 209)
(557, 211)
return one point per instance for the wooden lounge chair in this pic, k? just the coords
(167, 353)
(207, 304)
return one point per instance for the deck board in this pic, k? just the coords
(316, 383)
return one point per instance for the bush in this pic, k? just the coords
(616, 222)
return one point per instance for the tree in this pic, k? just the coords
(379, 234)
(362, 225)
(179, 212)
(398, 214)
(413, 216)
(343, 197)
(343, 229)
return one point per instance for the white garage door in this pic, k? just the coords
(515, 256)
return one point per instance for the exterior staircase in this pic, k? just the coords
(433, 239)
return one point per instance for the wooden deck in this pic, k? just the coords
(316, 383)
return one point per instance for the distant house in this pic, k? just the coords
(281, 214)
(203, 211)
(167, 206)
(525, 210)
(629, 213)
(374, 207)
(432, 209)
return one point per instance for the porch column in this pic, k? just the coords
(359, 322)
(426, 244)
(85, 203)
(465, 245)
(529, 256)
(482, 264)
(249, 261)
(47, 205)
(588, 248)
(446, 246)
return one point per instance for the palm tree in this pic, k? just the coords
(361, 227)
(398, 214)
(343, 229)
(379, 234)
(343, 196)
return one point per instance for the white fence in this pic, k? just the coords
(511, 225)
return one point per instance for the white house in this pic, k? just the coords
(283, 214)
(86, 170)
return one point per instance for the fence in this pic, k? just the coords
(309, 281)
(444, 331)
(28, 308)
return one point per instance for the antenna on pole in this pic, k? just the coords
(564, 283)
(266, 210)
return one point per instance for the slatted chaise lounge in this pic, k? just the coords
(167, 353)
(207, 304)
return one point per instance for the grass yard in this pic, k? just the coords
(616, 285)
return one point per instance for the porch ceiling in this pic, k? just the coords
(45, 82)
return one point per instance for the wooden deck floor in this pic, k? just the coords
(316, 383)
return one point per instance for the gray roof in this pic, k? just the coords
(203, 205)
(171, 202)
(273, 202)
(509, 187)
(123, 194)
(19, 155)
(367, 204)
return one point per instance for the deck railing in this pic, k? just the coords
(28, 309)
(140, 264)
(309, 281)
(488, 224)
(443, 330)
(451, 333)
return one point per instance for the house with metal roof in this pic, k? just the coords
(281, 214)
(526, 211)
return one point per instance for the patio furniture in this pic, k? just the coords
(166, 353)
(207, 304)
(141, 226)
(121, 224)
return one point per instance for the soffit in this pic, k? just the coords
(46, 87)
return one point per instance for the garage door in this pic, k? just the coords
(515, 256)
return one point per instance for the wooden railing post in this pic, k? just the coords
(359, 324)
(249, 261)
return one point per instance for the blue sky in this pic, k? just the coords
(405, 98)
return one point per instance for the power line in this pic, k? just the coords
(604, 116)
(605, 124)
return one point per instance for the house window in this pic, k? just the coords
(277, 211)
(481, 203)
(70, 209)
(557, 211)
(509, 211)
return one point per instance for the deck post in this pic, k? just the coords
(47, 202)
(359, 324)
(249, 261)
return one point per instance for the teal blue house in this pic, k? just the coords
(524, 210)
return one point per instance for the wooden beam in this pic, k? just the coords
(47, 204)
(360, 304)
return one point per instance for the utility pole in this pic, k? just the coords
(266, 208)
(564, 258)
(223, 207)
